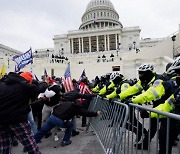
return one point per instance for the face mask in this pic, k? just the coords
(117, 80)
(178, 80)
(145, 77)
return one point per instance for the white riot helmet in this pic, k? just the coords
(114, 75)
(175, 66)
(146, 67)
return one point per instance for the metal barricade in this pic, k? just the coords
(156, 135)
(109, 127)
(128, 129)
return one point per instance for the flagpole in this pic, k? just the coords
(31, 62)
(31, 69)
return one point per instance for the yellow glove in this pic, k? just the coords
(165, 107)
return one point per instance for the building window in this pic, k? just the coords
(115, 68)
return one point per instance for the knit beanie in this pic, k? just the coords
(28, 76)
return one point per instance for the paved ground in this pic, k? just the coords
(84, 143)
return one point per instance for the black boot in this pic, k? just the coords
(14, 141)
(74, 133)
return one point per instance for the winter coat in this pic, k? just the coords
(15, 94)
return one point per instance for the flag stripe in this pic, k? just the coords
(84, 89)
(67, 81)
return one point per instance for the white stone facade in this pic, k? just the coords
(100, 30)
(100, 44)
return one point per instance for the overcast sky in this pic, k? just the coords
(25, 23)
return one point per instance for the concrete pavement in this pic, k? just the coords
(84, 143)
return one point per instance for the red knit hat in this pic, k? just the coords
(28, 76)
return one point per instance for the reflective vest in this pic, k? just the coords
(160, 89)
(106, 88)
(168, 106)
(137, 88)
(131, 90)
(155, 92)
(114, 94)
(102, 91)
(95, 89)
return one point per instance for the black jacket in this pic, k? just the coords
(15, 94)
(66, 110)
(74, 95)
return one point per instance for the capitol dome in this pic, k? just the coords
(100, 14)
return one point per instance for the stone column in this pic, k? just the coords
(97, 43)
(119, 41)
(108, 42)
(79, 45)
(69, 46)
(82, 45)
(116, 35)
(90, 44)
(72, 46)
(105, 43)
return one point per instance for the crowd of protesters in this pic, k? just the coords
(30, 109)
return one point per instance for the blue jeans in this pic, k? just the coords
(51, 122)
(32, 122)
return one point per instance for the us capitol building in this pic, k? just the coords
(100, 45)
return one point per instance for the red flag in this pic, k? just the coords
(67, 81)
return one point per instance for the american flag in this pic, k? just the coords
(82, 75)
(83, 87)
(67, 81)
(45, 72)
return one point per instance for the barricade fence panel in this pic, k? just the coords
(110, 125)
(129, 129)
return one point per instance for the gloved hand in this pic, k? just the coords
(118, 90)
(94, 95)
(155, 115)
(102, 97)
(127, 101)
(111, 101)
(144, 114)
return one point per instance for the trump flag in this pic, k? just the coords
(22, 60)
